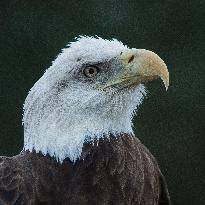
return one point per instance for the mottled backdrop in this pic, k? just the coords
(169, 123)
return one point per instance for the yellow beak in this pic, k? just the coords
(139, 66)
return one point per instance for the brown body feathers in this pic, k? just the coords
(113, 171)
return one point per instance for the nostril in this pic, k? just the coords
(121, 53)
(131, 59)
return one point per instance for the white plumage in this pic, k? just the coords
(58, 120)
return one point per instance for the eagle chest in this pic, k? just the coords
(114, 171)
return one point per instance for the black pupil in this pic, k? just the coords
(91, 71)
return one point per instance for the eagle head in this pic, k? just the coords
(92, 89)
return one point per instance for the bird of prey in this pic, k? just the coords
(79, 145)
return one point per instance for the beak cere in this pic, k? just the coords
(140, 66)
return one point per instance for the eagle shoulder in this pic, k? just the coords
(15, 188)
(152, 169)
(123, 172)
(26, 179)
(164, 193)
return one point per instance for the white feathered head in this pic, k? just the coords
(92, 89)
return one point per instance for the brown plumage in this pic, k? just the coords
(116, 170)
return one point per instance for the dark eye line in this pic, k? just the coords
(95, 66)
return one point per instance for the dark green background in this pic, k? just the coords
(169, 123)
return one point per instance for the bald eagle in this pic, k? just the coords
(79, 145)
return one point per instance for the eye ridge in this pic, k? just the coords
(91, 71)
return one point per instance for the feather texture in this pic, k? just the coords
(112, 171)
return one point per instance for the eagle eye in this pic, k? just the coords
(91, 71)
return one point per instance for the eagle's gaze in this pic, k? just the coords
(91, 71)
(79, 145)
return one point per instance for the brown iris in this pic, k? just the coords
(91, 71)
